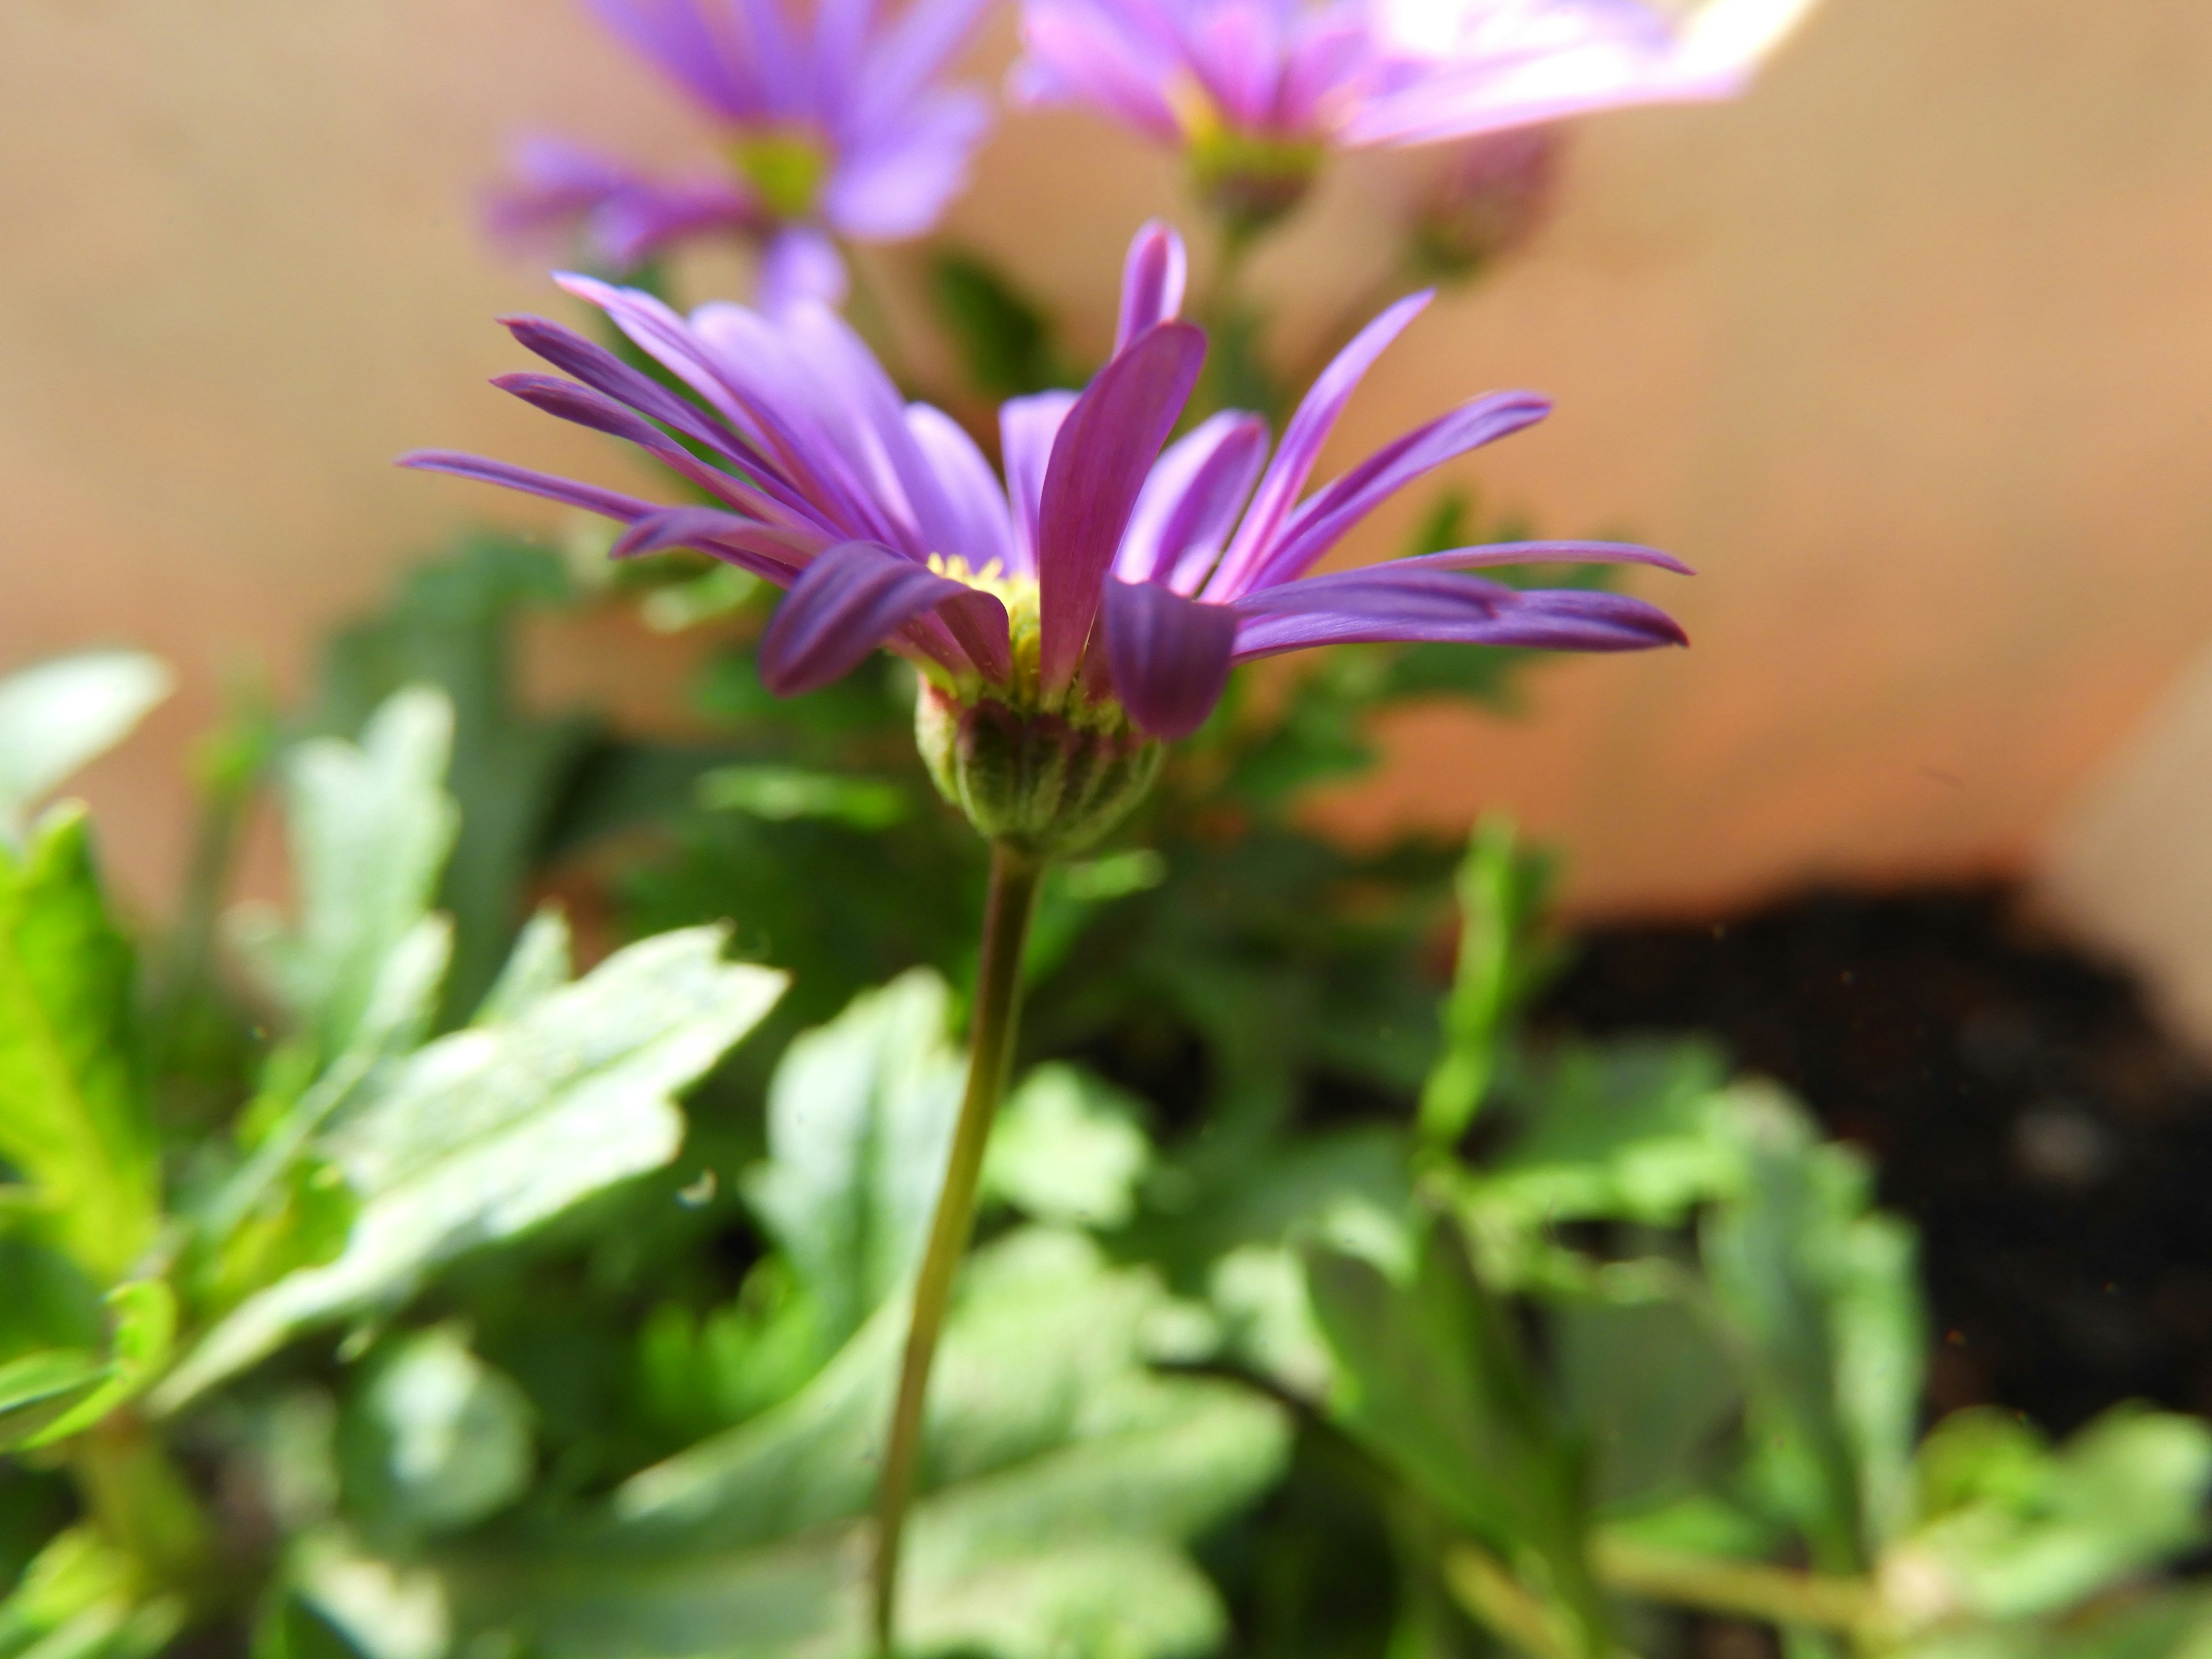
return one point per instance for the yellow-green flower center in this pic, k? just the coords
(786, 167)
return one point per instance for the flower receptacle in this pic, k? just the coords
(1040, 782)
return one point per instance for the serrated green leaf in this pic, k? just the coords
(436, 1439)
(58, 715)
(487, 1132)
(74, 1116)
(1067, 1148)
(1431, 1378)
(2035, 1533)
(1649, 1390)
(1625, 1130)
(370, 829)
(860, 1122)
(1060, 1479)
(453, 625)
(1821, 1292)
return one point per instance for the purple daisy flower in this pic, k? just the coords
(835, 125)
(1256, 90)
(1105, 583)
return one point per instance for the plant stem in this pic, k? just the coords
(1749, 1590)
(1015, 875)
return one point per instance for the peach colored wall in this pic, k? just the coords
(1911, 352)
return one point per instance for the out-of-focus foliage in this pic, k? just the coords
(1319, 1311)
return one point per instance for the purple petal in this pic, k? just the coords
(912, 51)
(1027, 427)
(1301, 447)
(848, 602)
(1152, 278)
(663, 336)
(1321, 521)
(1387, 604)
(982, 529)
(607, 503)
(776, 555)
(800, 266)
(580, 405)
(1072, 55)
(1169, 655)
(1327, 55)
(632, 225)
(677, 37)
(600, 370)
(1190, 501)
(895, 182)
(1490, 554)
(1105, 448)
(1236, 49)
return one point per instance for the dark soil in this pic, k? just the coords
(2020, 1101)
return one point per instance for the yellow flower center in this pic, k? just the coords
(786, 168)
(1019, 595)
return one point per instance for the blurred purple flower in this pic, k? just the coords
(1103, 576)
(1256, 90)
(836, 124)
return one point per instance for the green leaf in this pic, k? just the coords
(2022, 1532)
(436, 1439)
(1004, 340)
(1062, 1479)
(1501, 896)
(82, 1598)
(143, 1318)
(1067, 1148)
(39, 1388)
(1821, 1293)
(1626, 1131)
(370, 828)
(1649, 1390)
(860, 1123)
(789, 792)
(74, 1116)
(56, 716)
(488, 1132)
(452, 626)
(1431, 1379)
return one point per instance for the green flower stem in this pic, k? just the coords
(1748, 1589)
(1015, 876)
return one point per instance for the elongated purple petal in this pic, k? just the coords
(1027, 428)
(629, 226)
(1105, 448)
(895, 183)
(1322, 520)
(801, 266)
(567, 401)
(913, 49)
(1301, 447)
(607, 503)
(1413, 606)
(1152, 279)
(848, 601)
(1190, 501)
(1490, 554)
(1071, 54)
(600, 370)
(773, 555)
(1169, 655)
(983, 528)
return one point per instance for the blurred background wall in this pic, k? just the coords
(1910, 352)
